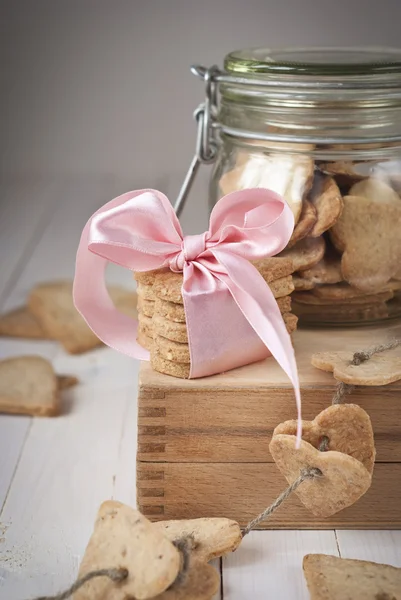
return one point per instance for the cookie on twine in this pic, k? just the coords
(344, 479)
(381, 369)
(211, 537)
(344, 428)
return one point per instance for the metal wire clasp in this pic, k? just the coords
(206, 144)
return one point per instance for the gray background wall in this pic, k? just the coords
(103, 86)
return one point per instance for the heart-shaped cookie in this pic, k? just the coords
(347, 427)
(344, 479)
(368, 234)
(380, 369)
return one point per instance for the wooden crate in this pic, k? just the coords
(203, 445)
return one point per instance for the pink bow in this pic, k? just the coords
(231, 314)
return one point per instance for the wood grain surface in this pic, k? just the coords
(222, 425)
(240, 491)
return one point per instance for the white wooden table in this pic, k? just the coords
(55, 472)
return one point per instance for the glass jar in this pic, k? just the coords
(322, 127)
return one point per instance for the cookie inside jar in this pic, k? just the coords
(323, 129)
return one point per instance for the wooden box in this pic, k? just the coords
(203, 445)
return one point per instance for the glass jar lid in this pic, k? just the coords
(341, 62)
(313, 93)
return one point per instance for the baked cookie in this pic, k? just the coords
(212, 537)
(327, 270)
(301, 284)
(342, 482)
(347, 428)
(170, 310)
(171, 330)
(170, 350)
(325, 197)
(168, 367)
(284, 304)
(290, 321)
(168, 286)
(305, 224)
(148, 277)
(282, 287)
(22, 324)
(145, 291)
(144, 340)
(272, 268)
(145, 324)
(334, 578)
(146, 307)
(52, 306)
(368, 235)
(381, 369)
(306, 253)
(375, 190)
(345, 173)
(28, 386)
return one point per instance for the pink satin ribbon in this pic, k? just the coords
(232, 316)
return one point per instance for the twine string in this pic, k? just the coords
(308, 473)
(364, 355)
(116, 575)
(185, 546)
(342, 390)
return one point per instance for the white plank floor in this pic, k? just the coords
(54, 473)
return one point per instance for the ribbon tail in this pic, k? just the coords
(257, 303)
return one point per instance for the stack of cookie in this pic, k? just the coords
(162, 324)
